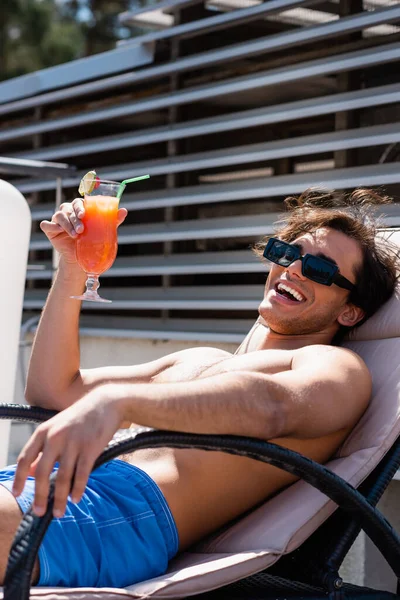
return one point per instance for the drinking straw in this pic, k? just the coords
(125, 181)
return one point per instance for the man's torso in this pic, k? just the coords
(207, 489)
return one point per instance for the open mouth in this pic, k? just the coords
(288, 292)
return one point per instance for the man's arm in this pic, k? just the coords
(55, 379)
(325, 392)
(55, 357)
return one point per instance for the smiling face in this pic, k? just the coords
(295, 305)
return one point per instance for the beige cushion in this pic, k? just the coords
(285, 521)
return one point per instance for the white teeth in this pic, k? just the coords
(294, 293)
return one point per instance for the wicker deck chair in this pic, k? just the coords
(293, 545)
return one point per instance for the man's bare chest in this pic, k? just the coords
(211, 362)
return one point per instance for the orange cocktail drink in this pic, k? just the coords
(96, 247)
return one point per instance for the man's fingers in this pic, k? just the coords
(78, 212)
(51, 444)
(68, 220)
(77, 224)
(32, 468)
(79, 207)
(50, 229)
(26, 458)
(44, 469)
(63, 483)
(82, 472)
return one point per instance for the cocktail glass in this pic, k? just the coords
(97, 245)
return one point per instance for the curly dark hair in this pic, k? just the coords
(355, 215)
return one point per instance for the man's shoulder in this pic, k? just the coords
(340, 378)
(332, 356)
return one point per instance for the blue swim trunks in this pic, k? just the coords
(121, 532)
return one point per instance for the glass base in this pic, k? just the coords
(90, 294)
(91, 297)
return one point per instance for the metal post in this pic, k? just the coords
(348, 81)
(172, 145)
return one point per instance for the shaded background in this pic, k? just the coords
(35, 34)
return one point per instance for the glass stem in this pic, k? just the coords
(92, 283)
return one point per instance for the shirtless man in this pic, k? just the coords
(286, 383)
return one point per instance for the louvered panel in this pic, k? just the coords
(252, 225)
(255, 188)
(252, 153)
(319, 67)
(273, 43)
(268, 188)
(239, 120)
(67, 74)
(180, 298)
(211, 330)
(251, 115)
(229, 227)
(237, 261)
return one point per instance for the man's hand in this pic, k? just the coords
(66, 225)
(74, 438)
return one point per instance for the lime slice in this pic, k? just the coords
(88, 183)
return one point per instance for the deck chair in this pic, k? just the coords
(293, 545)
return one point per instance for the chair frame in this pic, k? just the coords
(312, 568)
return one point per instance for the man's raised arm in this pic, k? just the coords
(55, 379)
(55, 357)
(326, 391)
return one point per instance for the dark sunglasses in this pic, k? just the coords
(313, 267)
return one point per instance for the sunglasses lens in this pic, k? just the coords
(280, 253)
(319, 270)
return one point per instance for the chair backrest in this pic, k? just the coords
(377, 341)
(15, 224)
(285, 521)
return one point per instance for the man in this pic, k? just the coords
(287, 383)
